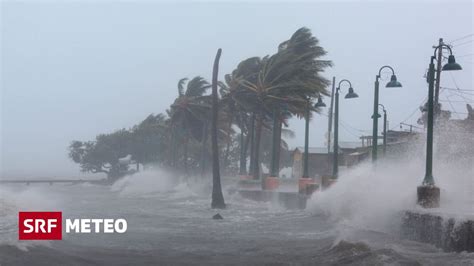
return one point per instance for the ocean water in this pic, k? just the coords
(169, 223)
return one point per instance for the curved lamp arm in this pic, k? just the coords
(383, 108)
(339, 85)
(380, 70)
(441, 46)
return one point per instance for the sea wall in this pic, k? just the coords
(289, 200)
(443, 231)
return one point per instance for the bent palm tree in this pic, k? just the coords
(284, 81)
(217, 196)
(189, 112)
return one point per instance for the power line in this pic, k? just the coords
(461, 38)
(411, 126)
(454, 81)
(348, 131)
(460, 94)
(355, 129)
(344, 122)
(347, 127)
(451, 101)
(414, 111)
(455, 89)
(457, 45)
(452, 107)
(417, 108)
(463, 97)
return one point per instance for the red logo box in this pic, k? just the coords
(40, 225)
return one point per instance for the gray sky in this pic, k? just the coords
(74, 70)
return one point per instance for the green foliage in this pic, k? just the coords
(285, 80)
(144, 143)
(272, 87)
(191, 110)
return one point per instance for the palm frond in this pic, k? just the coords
(181, 86)
(197, 87)
(287, 133)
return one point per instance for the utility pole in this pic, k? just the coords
(306, 141)
(330, 114)
(438, 75)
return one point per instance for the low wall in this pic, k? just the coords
(289, 200)
(447, 233)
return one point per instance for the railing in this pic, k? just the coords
(50, 181)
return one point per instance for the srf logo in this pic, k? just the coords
(40, 225)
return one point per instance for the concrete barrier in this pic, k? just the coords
(303, 182)
(250, 184)
(440, 230)
(327, 181)
(289, 200)
(271, 183)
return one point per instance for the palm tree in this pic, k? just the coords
(284, 81)
(217, 196)
(227, 108)
(188, 113)
(237, 111)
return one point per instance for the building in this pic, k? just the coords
(320, 161)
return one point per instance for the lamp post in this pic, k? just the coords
(306, 141)
(384, 129)
(319, 104)
(393, 83)
(305, 183)
(351, 94)
(428, 194)
(279, 115)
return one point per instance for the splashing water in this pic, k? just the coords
(374, 197)
(14, 200)
(145, 183)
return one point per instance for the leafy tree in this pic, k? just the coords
(103, 154)
(149, 140)
(189, 113)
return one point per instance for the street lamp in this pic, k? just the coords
(319, 104)
(384, 129)
(393, 83)
(428, 194)
(351, 94)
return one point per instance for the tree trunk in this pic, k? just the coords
(171, 148)
(258, 134)
(275, 157)
(204, 150)
(243, 153)
(252, 143)
(217, 196)
(278, 157)
(226, 158)
(246, 146)
(174, 150)
(229, 140)
(185, 155)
